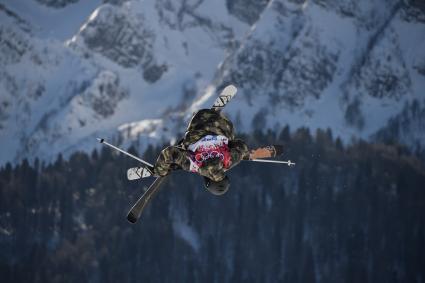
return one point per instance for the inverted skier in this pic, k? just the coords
(209, 148)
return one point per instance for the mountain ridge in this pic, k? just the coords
(135, 71)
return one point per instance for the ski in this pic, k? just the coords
(136, 173)
(225, 96)
(137, 209)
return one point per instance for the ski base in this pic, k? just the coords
(137, 209)
(225, 96)
(137, 173)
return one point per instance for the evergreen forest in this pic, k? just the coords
(343, 214)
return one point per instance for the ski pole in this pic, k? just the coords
(125, 152)
(289, 163)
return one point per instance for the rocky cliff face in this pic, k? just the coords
(120, 36)
(247, 11)
(349, 57)
(345, 65)
(56, 3)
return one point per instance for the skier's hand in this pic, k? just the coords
(266, 152)
(260, 153)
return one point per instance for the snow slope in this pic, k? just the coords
(319, 67)
(134, 71)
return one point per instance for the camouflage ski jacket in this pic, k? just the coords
(205, 122)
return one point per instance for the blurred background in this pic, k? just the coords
(339, 83)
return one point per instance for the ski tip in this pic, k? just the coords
(231, 89)
(131, 218)
(100, 140)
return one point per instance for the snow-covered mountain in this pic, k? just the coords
(135, 70)
(348, 65)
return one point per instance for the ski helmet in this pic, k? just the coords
(217, 188)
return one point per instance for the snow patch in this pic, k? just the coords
(145, 127)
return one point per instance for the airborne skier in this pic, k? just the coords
(209, 148)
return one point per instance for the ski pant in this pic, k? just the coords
(207, 122)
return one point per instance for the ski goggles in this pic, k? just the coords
(202, 156)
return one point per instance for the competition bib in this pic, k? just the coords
(209, 147)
